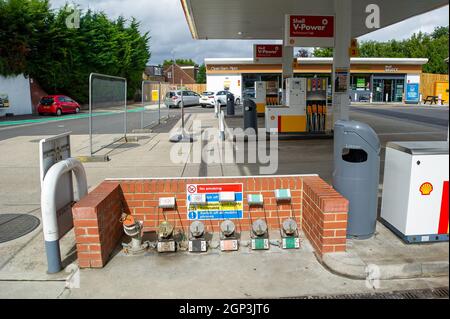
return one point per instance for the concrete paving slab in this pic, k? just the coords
(391, 257)
(243, 274)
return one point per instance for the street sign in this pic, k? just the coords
(309, 31)
(51, 151)
(214, 209)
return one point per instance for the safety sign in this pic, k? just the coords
(203, 201)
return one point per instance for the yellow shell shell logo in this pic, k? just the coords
(426, 188)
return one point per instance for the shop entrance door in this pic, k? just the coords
(388, 90)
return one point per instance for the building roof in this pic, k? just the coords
(265, 19)
(406, 61)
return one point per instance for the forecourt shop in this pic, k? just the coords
(371, 79)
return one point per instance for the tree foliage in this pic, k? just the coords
(181, 62)
(433, 46)
(36, 41)
(201, 74)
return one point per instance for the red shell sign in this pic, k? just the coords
(311, 26)
(269, 51)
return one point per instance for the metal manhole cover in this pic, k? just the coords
(13, 226)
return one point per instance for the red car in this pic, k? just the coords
(57, 104)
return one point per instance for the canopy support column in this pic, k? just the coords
(341, 63)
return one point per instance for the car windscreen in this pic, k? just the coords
(208, 93)
(47, 100)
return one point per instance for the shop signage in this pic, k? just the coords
(268, 51)
(4, 100)
(224, 68)
(341, 80)
(214, 208)
(302, 30)
(390, 69)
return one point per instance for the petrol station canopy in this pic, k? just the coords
(264, 19)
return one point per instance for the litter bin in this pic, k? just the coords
(356, 174)
(230, 103)
(250, 115)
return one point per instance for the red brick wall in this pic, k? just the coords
(36, 94)
(142, 200)
(318, 209)
(98, 229)
(324, 216)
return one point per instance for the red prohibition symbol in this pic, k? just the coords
(192, 189)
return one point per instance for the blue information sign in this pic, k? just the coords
(412, 93)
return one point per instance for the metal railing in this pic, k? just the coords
(103, 98)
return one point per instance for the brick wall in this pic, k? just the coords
(36, 94)
(318, 209)
(324, 216)
(98, 229)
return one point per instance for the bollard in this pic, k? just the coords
(222, 125)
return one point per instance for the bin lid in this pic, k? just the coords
(363, 130)
(420, 147)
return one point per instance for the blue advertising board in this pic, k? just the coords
(412, 93)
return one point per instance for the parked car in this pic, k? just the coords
(58, 105)
(221, 96)
(249, 93)
(173, 98)
(207, 99)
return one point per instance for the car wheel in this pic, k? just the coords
(41, 114)
(238, 101)
(77, 110)
(58, 112)
(179, 105)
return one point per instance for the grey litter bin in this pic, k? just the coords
(230, 103)
(356, 174)
(250, 115)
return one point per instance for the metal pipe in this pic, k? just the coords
(48, 207)
(159, 102)
(182, 109)
(125, 126)
(90, 113)
(142, 102)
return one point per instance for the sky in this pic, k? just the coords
(170, 35)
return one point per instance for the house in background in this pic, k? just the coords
(154, 73)
(177, 74)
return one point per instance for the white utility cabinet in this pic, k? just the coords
(415, 190)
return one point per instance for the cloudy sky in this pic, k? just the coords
(165, 21)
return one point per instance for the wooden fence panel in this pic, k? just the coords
(427, 81)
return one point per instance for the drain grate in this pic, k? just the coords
(438, 293)
(13, 226)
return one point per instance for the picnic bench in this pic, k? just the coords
(433, 99)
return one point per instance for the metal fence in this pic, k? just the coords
(107, 98)
(152, 100)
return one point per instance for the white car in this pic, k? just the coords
(221, 96)
(207, 99)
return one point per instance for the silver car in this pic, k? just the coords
(173, 98)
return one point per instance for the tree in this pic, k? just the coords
(323, 52)
(302, 53)
(433, 46)
(37, 42)
(201, 74)
(182, 62)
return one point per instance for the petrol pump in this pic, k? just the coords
(266, 94)
(305, 110)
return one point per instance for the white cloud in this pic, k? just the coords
(165, 21)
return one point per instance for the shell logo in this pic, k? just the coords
(426, 188)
